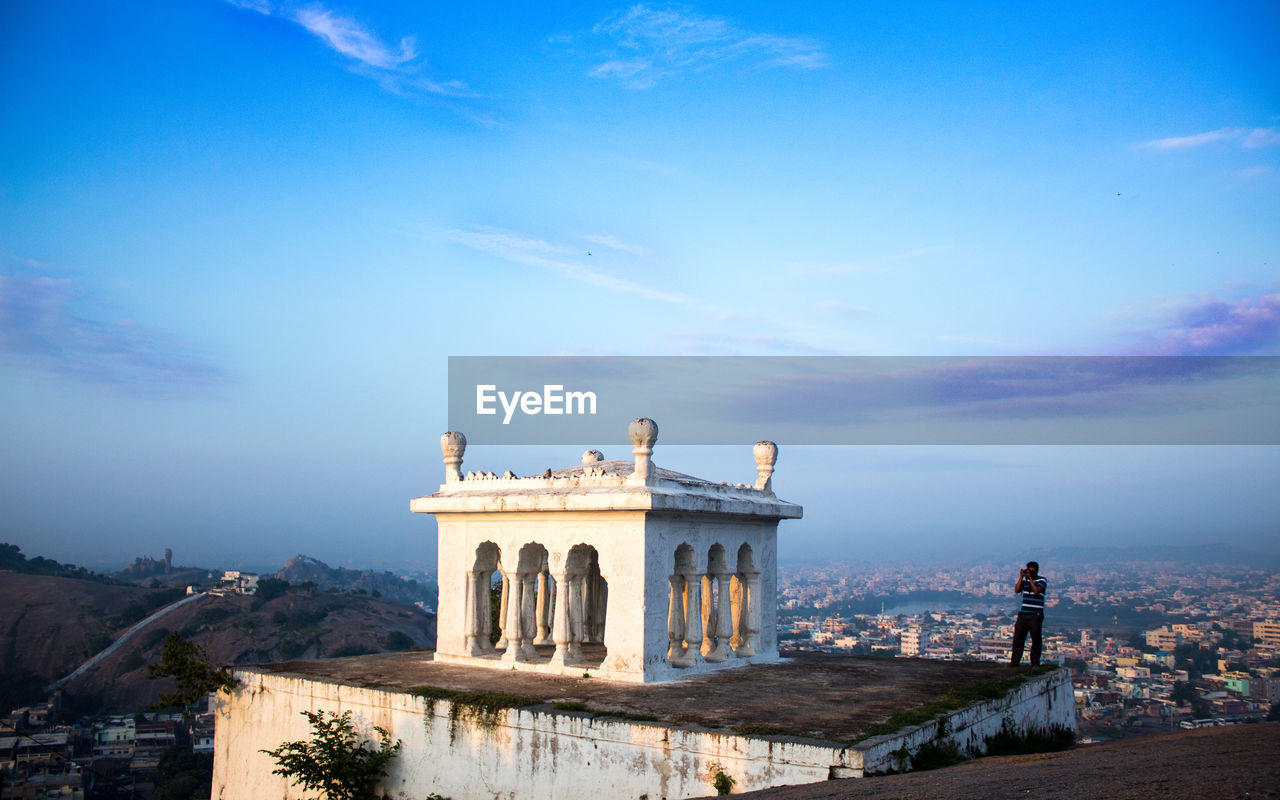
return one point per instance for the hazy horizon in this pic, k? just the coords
(240, 240)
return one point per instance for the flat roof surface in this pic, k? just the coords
(815, 695)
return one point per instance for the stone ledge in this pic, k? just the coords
(812, 695)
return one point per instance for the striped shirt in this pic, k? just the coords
(1033, 603)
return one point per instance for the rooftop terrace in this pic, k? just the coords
(812, 695)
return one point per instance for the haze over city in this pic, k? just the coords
(240, 240)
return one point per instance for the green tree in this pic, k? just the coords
(187, 664)
(268, 589)
(1184, 693)
(271, 588)
(398, 641)
(20, 686)
(335, 761)
(182, 775)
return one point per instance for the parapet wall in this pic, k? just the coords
(540, 753)
(1040, 706)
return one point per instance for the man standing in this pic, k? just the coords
(1032, 587)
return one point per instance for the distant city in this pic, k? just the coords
(1151, 645)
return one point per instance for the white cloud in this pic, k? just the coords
(614, 243)
(554, 257)
(395, 67)
(1208, 324)
(650, 44)
(59, 327)
(1251, 138)
(353, 41)
(621, 68)
(260, 6)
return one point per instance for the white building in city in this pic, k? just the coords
(617, 569)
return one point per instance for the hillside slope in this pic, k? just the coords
(305, 569)
(52, 625)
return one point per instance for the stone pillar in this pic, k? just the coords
(528, 615)
(693, 618)
(514, 630)
(742, 616)
(723, 620)
(602, 606)
(675, 622)
(737, 592)
(708, 615)
(452, 446)
(482, 602)
(751, 615)
(575, 618)
(544, 609)
(560, 628)
(470, 616)
(553, 600)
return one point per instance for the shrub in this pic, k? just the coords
(398, 641)
(189, 666)
(335, 761)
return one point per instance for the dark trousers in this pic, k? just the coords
(1027, 623)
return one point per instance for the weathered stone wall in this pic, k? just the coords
(544, 754)
(1039, 706)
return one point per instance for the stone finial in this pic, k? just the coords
(453, 445)
(643, 433)
(766, 454)
(592, 457)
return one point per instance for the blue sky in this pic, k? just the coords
(239, 240)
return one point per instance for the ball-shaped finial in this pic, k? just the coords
(453, 444)
(592, 457)
(766, 454)
(643, 432)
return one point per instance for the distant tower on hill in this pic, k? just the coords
(619, 569)
(168, 560)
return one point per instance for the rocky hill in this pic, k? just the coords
(50, 625)
(305, 569)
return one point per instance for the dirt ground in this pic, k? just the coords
(1242, 761)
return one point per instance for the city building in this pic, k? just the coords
(1268, 631)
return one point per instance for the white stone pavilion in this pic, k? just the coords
(616, 569)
